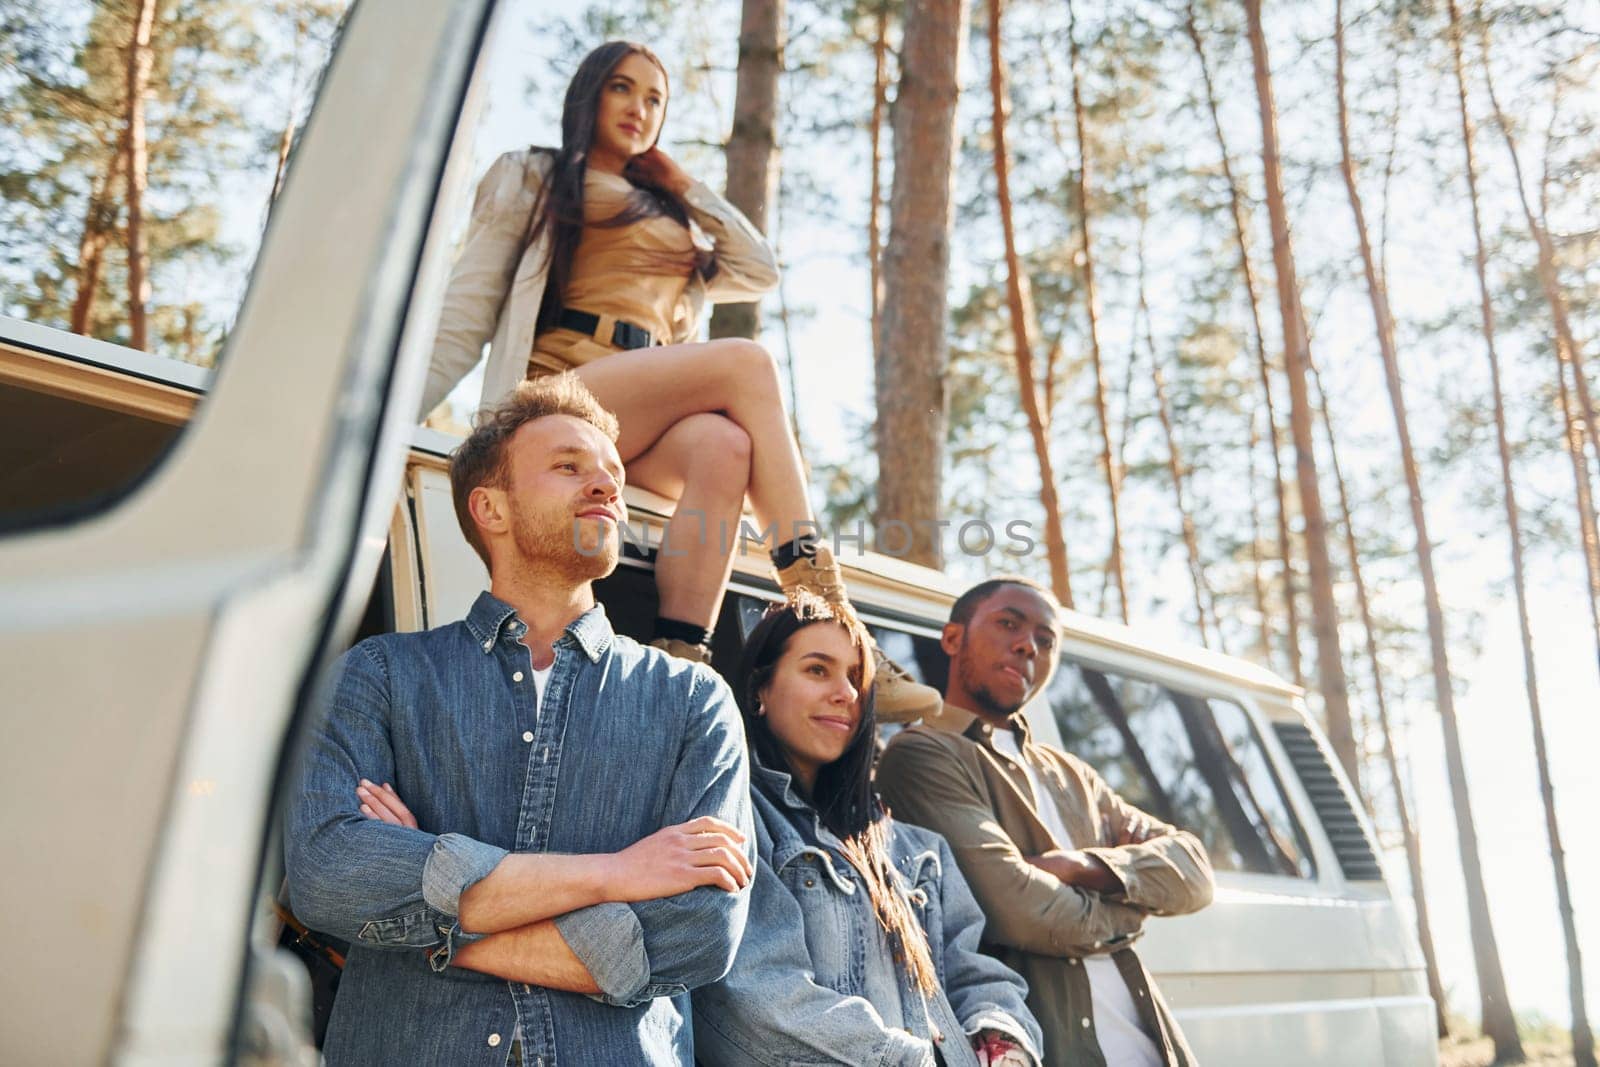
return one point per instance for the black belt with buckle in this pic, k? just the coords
(623, 334)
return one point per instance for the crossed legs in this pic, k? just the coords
(704, 424)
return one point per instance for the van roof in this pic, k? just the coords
(112, 376)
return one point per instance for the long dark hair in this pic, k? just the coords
(559, 207)
(843, 795)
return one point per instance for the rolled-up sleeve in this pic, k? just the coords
(360, 879)
(1167, 874)
(1027, 908)
(665, 947)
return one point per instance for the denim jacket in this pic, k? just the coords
(627, 741)
(813, 947)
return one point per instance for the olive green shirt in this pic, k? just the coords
(944, 774)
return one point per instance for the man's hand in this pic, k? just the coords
(995, 1049)
(381, 802)
(1074, 867)
(673, 860)
(1138, 829)
(704, 851)
(655, 167)
(670, 861)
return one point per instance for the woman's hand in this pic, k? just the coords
(381, 802)
(655, 167)
(995, 1049)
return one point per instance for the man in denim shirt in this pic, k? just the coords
(580, 849)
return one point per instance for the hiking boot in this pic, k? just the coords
(672, 646)
(897, 696)
(820, 576)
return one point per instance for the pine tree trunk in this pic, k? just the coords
(787, 329)
(1297, 352)
(1582, 1037)
(1119, 465)
(286, 138)
(1204, 599)
(1241, 234)
(138, 165)
(285, 143)
(1024, 324)
(1566, 342)
(752, 146)
(1572, 438)
(880, 100)
(1567, 353)
(1257, 586)
(98, 223)
(1191, 541)
(1391, 759)
(914, 355)
(1114, 564)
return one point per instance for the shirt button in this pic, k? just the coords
(487, 645)
(1073, 962)
(517, 677)
(527, 735)
(1086, 1022)
(494, 1040)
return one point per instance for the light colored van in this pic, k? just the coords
(182, 554)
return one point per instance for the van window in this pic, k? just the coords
(1196, 762)
(117, 297)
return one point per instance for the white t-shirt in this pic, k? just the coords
(1123, 1041)
(540, 680)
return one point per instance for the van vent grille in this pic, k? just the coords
(1333, 806)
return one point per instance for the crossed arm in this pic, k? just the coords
(1061, 903)
(597, 923)
(515, 905)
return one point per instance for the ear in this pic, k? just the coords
(490, 510)
(951, 636)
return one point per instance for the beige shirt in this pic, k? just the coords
(498, 280)
(946, 774)
(637, 272)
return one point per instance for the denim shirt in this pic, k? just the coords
(627, 741)
(813, 950)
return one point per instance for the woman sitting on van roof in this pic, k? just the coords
(598, 258)
(862, 941)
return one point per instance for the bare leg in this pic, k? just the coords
(703, 462)
(653, 389)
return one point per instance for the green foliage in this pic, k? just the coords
(212, 63)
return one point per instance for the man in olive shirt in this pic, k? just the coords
(1066, 871)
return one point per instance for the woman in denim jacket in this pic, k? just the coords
(862, 942)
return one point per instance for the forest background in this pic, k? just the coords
(1194, 348)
